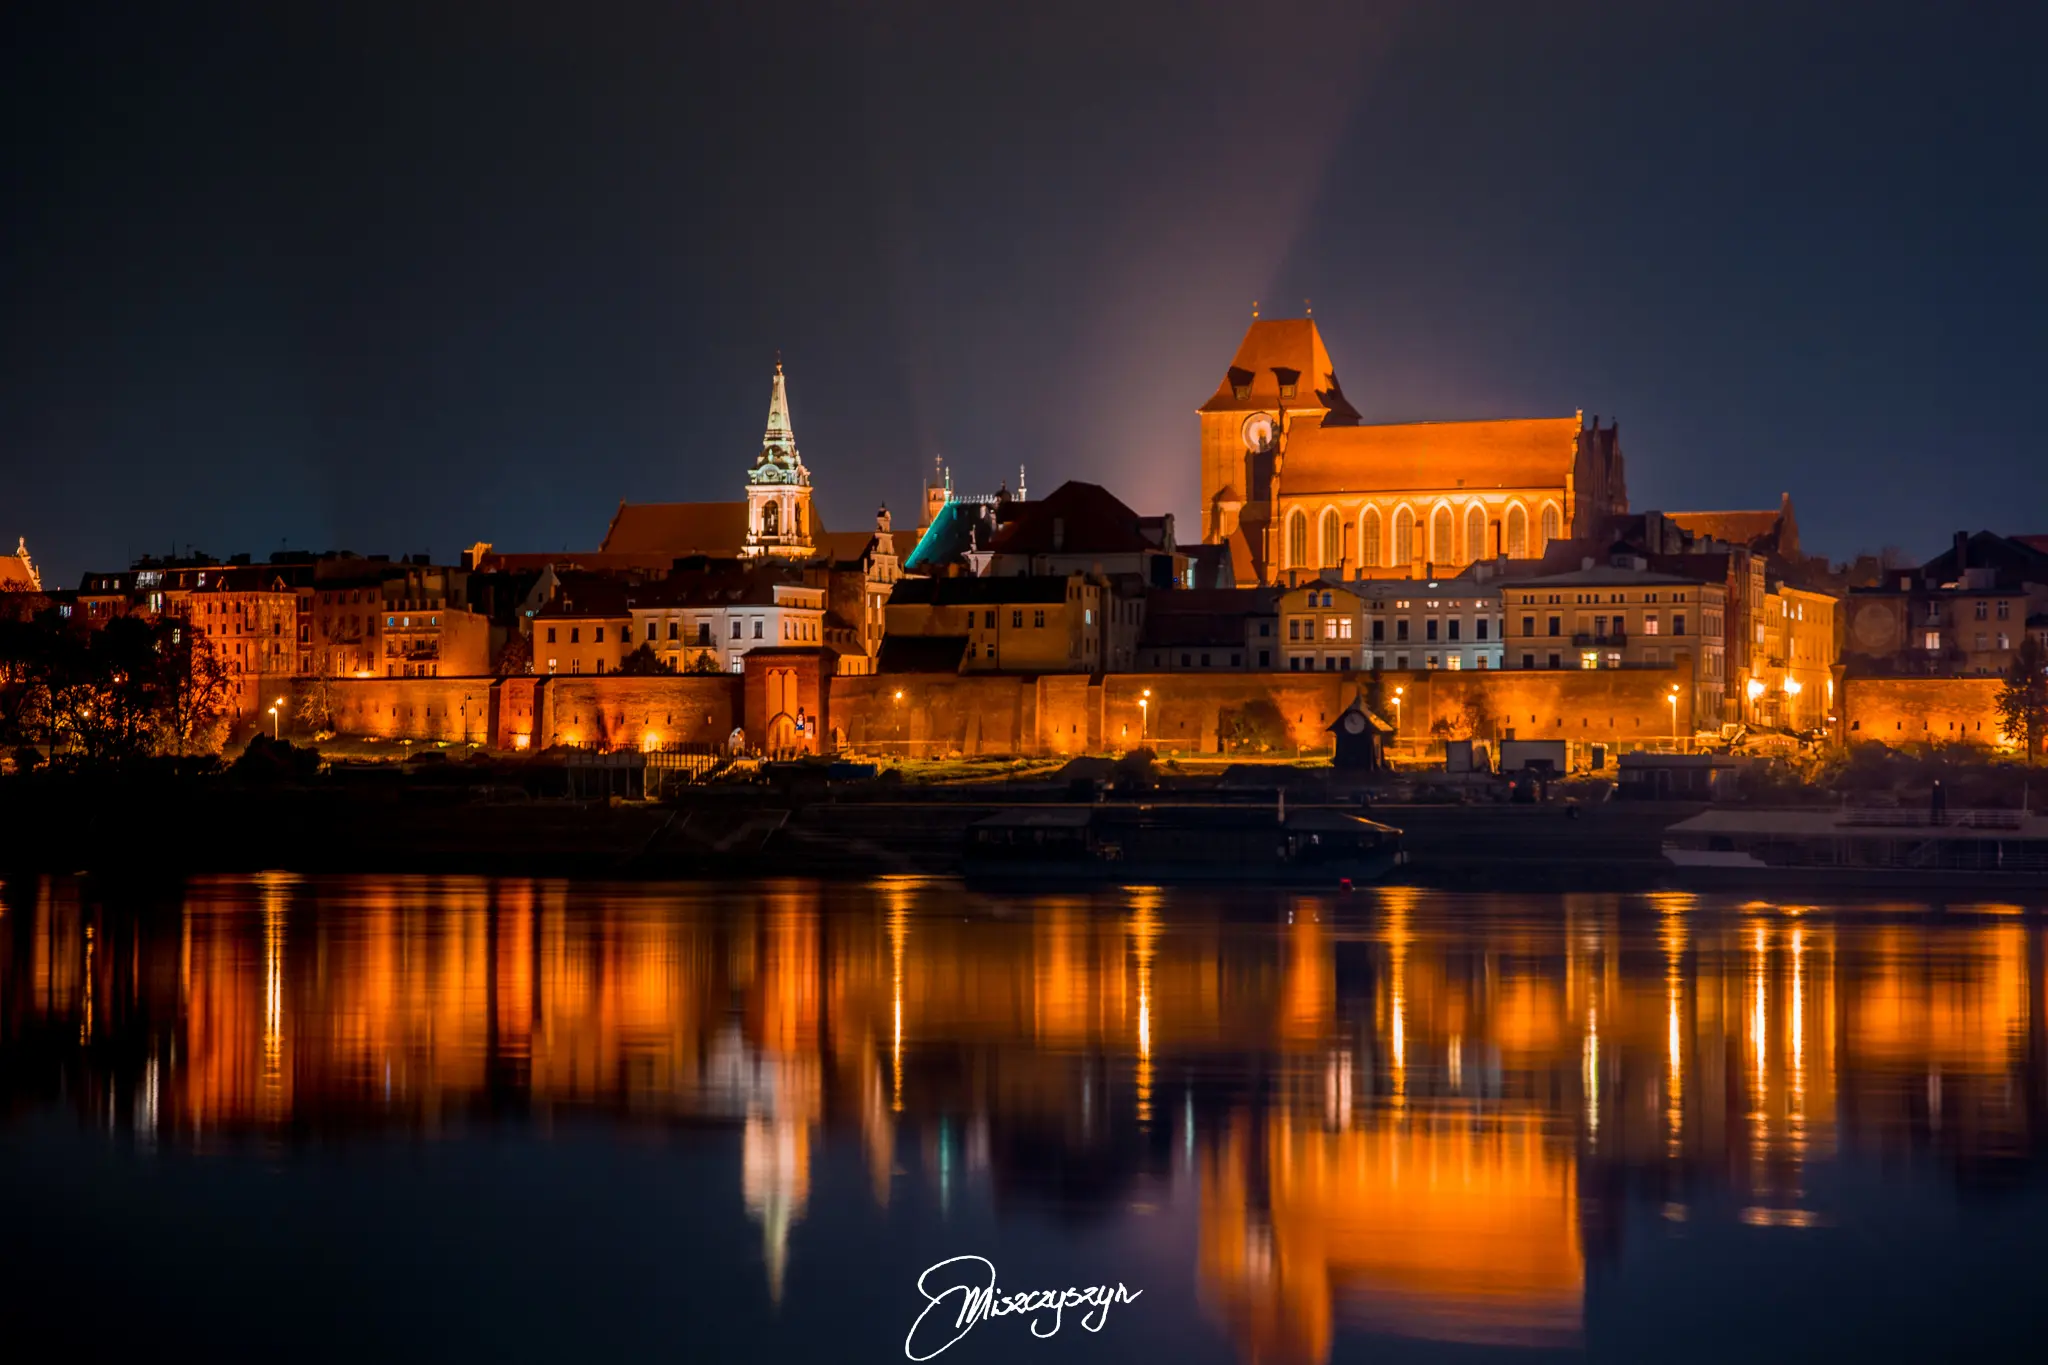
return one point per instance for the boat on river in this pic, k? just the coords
(1884, 849)
(1168, 844)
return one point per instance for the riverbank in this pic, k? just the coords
(724, 832)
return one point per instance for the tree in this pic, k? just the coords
(517, 659)
(1255, 727)
(705, 661)
(2023, 698)
(1477, 717)
(1376, 692)
(194, 688)
(641, 663)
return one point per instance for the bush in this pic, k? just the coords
(269, 762)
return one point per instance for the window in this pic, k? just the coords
(1429, 629)
(673, 628)
(1265, 658)
(1185, 658)
(1451, 628)
(1330, 663)
(575, 635)
(1293, 629)
(1556, 625)
(1480, 626)
(1297, 539)
(575, 665)
(1332, 539)
(1983, 609)
(1294, 663)
(1088, 617)
(1557, 661)
(2005, 611)
(1650, 623)
(757, 628)
(551, 640)
(1265, 629)
(1404, 536)
(1528, 661)
(1528, 625)
(2004, 640)
(551, 665)
(1475, 533)
(1600, 625)
(1344, 628)
(599, 637)
(1980, 635)
(1241, 392)
(1553, 524)
(1401, 663)
(1038, 619)
(1379, 630)
(1518, 533)
(1678, 623)
(1430, 662)
(735, 630)
(1401, 629)
(1329, 627)
(1287, 390)
(991, 648)
(1369, 536)
(600, 665)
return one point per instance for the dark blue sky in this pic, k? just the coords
(401, 277)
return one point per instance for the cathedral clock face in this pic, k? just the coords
(1258, 432)
(1354, 724)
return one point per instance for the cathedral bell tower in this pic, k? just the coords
(779, 520)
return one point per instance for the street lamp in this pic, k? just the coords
(1672, 698)
(1144, 713)
(1397, 709)
(273, 723)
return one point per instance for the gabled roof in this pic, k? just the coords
(1076, 519)
(676, 529)
(959, 529)
(1519, 452)
(1293, 345)
(843, 547)
(1212, 566)
(1732, 528)
(585, 595)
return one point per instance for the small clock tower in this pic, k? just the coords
(779, 520)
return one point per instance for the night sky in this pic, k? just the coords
(396, 278)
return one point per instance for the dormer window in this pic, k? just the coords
(1241, 392)
(1287, 390)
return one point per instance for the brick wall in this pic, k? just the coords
(1901, 711)
(621, 711)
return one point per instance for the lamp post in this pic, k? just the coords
(273, 723)
(1672, 698)
(1397, 711)
(1144, 713)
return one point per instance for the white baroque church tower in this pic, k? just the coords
(779, 519)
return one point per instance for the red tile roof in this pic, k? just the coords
(677, 528)
(1528, 452)
(1731, 528)
(1089, 520)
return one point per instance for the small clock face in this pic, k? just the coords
(1355, 723)
(1258, 431)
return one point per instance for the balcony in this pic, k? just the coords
(1614, 638)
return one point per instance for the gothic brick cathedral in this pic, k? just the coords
(1297, 483)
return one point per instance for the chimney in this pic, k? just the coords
(1962, 553)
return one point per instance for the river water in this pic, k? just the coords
(401, 1119)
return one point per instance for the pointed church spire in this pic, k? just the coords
(779, 461)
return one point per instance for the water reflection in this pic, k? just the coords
(1403, 1114)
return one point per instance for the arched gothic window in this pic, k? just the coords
(1443, 545)
(1333, 539)
(796, 516)
(1404, 537)
(1369, 537)
(1553, 526)
(1475, 533)
(1518, 533)
(1297, 540)
(771, 518)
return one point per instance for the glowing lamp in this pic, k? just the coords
(1792, 687)
(1756, 688)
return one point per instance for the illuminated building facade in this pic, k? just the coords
(1298, 483)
